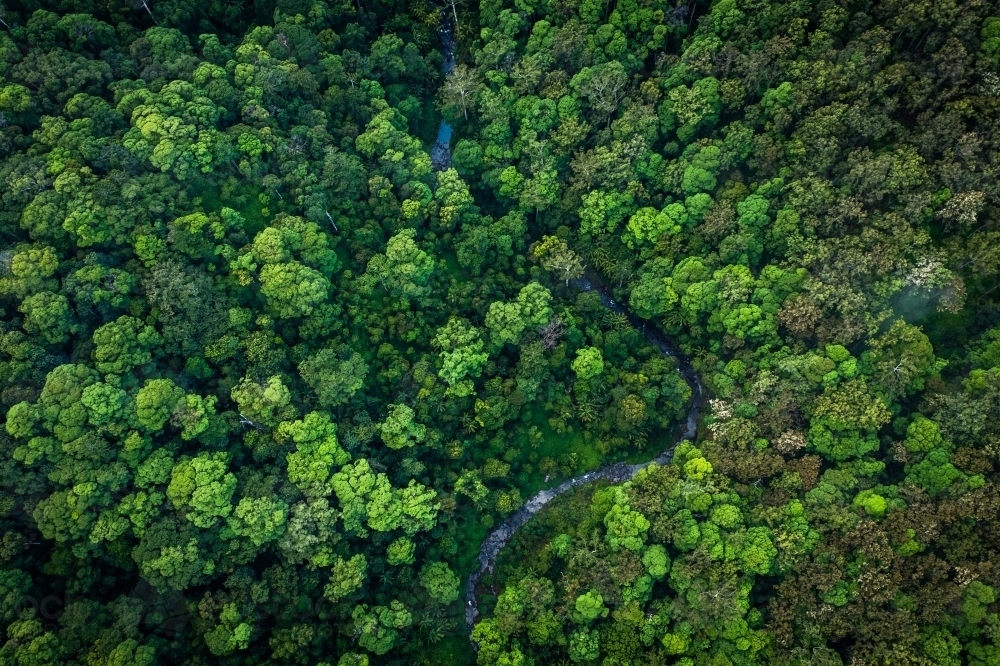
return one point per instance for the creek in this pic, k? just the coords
(441, 150)
(615, 472)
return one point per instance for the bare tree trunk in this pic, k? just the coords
(145, 5)
(330, 217)
(21, 47)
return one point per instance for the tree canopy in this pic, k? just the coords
(300, 299)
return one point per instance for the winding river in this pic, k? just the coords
(616, 472)
(441, 150)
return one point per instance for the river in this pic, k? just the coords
(441, 150)
(616, 472)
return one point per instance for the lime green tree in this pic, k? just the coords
(202, 487)
(589, 363)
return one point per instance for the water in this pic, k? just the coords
(441, 150)
(615, 473)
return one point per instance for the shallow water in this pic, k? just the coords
(441, 150)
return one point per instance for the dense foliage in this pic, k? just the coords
(802, 194)
(269, 374)
(261, 401)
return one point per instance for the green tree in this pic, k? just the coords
(399, 430)
(293, 290)
(602, 212)
(589, 363)
(266, 402)
(461, 357)
(656, 561)
(230, 634)
(377, 629)
(648, 224)
(505, 323)
(194, 415)
(923, 435)
(155, 402)
(535, 304)
(556, 256)
(653, 295)
(589, 606)
(455, 203)
(626, 528)
(440, 582)
(334, 376)
(353, 484)
(104, 403)
(700, 175)
(174, 129)
(689, 109)
(352, 659)
(584, 645)
(48, 315)
(401, 551)
(124, 344)
(317, 452)
(31, 271)
(417, 509)
(202, 487)
(59, 409)
(346, 577)
(260, 519)
(935, 472)
(404, 269)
